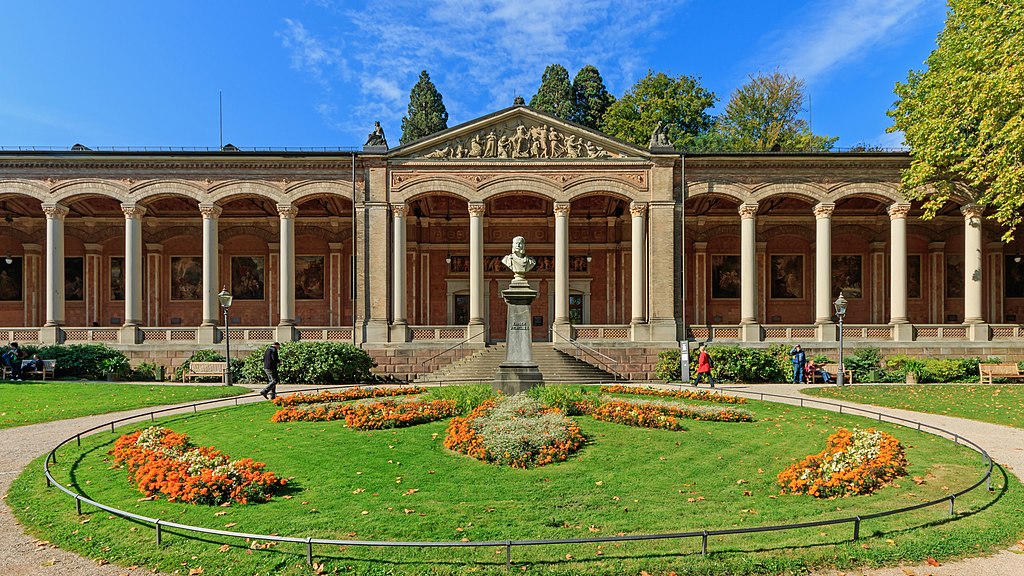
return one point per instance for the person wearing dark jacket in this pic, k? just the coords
(270, 362)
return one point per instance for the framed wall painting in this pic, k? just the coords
(725, 276)
(309, 277)
(10, 279)
(954, 275)
(117, 278)
(787, 276)
(74, 279)
(914, 276)
(847, 276)
(186, 278)
(247, 277)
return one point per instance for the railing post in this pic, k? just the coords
(309, 551)
(78, 504)
(508, 555)
(951, 500)
(159, 534)
(79, 438)
(53, 456)
(856, 528)
(704, 543)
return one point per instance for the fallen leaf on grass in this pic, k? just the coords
(195, 571)
(408, 510)
(599, 482)
(230, 524)
(146, 499)
(319, 568)
(932, 561)
(748, 493)
(224, 548)
(918, 480)
(221, 513)
(359, 490)
(411, 491)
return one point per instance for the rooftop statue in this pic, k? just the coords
(376, 138)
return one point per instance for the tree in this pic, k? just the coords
(427, 113)
(963, 117)
(680, 104)
(555, 93)
(590, 97)
(763, 115)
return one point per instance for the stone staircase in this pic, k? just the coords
(554, 365)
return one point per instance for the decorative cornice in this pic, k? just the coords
(477, 209)
(898, 211)
(561, 209)
(287, 211)
(210, 210)
(637, 209)
(972, 211)
(824, 210)
(748, 210)
(56, 211)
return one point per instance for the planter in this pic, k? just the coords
(911, 377)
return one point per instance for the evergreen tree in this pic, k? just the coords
(555, 93)
(679, 104)
(590, 97)
(427, 113)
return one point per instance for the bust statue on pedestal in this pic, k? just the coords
(519, 262)
(518, 372)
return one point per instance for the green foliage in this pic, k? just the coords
(117, 366)
(568, 399)
(962, 116)
(865, 365)
(427, 113)
(820, 359)
(680, 104)
(80, 360)
(736, 364)
(590, 97)
(939, 370)
(202, 356)
(145, 372)
(313, 363)
(668, 365)
(466, 398)
(554, 96)
(763, 114)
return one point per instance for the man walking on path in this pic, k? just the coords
(799, 359)
(270, 362)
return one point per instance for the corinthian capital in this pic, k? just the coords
(58, 211)
(898, 211)
(748, 210)
(972, 211)
(133, 210)
(476, 208)
(210, 210)
(637, 209)
(287, 211)
(561, 208)
(824, 210)
(399, 210)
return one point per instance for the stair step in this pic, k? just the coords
(554, 365)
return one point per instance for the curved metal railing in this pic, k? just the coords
(159, 524)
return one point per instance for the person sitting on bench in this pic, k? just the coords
(812, 368)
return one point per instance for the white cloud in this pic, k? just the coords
(310, 54)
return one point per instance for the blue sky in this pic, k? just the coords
(319, 72)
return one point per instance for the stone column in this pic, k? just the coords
(561, 321)
(477, 329)
(208, 333)
(823, 265)
(130, 333)
(898, 271)
(400, 284)
(973, 270)
(750, 331)
(638, 212)
(286, 277)
(51, 332)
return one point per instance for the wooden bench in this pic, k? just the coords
(1008, 371)
(204, 370)
(833, 373)
(49, 367)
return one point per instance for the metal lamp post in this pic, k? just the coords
(225, 303)
(840, 305)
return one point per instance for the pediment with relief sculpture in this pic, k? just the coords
(518, 133)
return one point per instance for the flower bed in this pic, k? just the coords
(857, 462)
(164, 462)
(705, 395)
(346, 395)
(515, 431)
(664, 415)
(371, 414)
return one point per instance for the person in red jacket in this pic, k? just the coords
(704, 364)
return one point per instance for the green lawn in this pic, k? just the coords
(403, 485)
(34, 402)
(997, 404)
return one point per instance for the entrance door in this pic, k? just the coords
(576, 308)
(460, 309)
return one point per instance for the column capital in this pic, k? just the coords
(748, 210)
(287, 211)
(133, 210)
(972, 211)
(477, 209)
(637, 209)
(399, 210)
(824, 210)
(898, 211)
(54, 210)
(561, 209)
(210, 210)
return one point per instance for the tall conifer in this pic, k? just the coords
(427, 113)
(555, 93)
(590, 97)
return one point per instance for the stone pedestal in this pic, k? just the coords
(518, 373)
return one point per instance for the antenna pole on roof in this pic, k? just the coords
(220, 95)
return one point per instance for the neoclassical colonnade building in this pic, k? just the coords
(398, 251)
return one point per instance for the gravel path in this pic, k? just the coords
(24, 555)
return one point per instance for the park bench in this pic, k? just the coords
(833, 373)
(28, 366)
(1007, 371)
(204, 369)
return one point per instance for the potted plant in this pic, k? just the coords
(116, 368)
(914, 369)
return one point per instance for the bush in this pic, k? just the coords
(735, 364)
(145, 372)
(466, 398)
(667, 369)
(936, 370)
(313, 363)
(81, 360)
(865, 365)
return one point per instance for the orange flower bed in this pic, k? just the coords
(357, 393)
(372, 416)
(705, 395)
(857, 462)
(664, 416)
(164, 462)
(521, 436)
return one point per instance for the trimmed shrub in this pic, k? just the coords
(932, 370)
(313, 363)
(731, 364)
(81, 360)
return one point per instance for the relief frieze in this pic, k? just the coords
(518, 141)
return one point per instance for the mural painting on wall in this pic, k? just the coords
(954, 276)
(787, 276)
(186, 278)
(10, 279)
(725, 276)
(247, 277)
(493, 264)
(117, 278)
(846, 276)
(914, 276)
(1014, 277)
(309, 277)
(74, 279)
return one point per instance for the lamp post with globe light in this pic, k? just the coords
(840, 305)
(225, 303)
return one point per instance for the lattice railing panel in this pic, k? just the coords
(775, 333)
(104, 335)
(451, 333)
(803, 333)
(587, 333)
(157, 335)
(1004, 333)
(422, 333)
(700, 333)
(310, 334)
(878, 333)
(732, 333)
(616, 333)
(25, 335)
(182, 335)
(927, 333)
(259, 335)
(336, 335)
(954, 333)
(76, 335)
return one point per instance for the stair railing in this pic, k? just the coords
(460, 345)
(604, 361)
